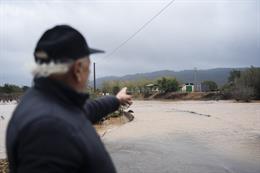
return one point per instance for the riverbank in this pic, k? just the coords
(184, 96)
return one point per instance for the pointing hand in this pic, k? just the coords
(123, 97)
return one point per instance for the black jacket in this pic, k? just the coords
(51, 131)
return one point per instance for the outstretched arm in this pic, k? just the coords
(99, 108)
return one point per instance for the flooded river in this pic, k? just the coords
(183, 136)
(190, 136)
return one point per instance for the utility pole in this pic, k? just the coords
(195, 80)
(94, 64)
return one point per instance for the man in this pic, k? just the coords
(51, 129)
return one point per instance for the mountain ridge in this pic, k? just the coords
(219, 75)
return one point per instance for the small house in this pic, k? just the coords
(151, 88)
(187, 87)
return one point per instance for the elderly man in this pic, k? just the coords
(51, 129)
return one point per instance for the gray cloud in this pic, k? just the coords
(198, 33)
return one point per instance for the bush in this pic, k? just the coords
(168, 84)
(115, 90)
(249, 81)
(211, 85)
(233, 75)
(8, 88)
(226, 91)
(244, 85)
(243, 93)
(133, 86)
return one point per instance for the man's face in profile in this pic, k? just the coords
(80, 71)
(85, 71)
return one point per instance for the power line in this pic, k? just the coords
(140, 29)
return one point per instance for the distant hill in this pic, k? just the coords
(219, 75)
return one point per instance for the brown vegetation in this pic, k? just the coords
(4, 97)
(187, 96)
(3, 166)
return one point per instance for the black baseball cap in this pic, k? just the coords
(62, 43)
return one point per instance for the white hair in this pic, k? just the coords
(45, 70)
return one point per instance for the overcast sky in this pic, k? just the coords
(190, 33)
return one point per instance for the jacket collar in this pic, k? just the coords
(61, 91)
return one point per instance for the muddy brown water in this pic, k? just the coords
(183, 136)
(188, 136)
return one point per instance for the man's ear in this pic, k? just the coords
(77, 70)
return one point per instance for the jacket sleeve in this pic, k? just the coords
(99, 108)
(48, 146)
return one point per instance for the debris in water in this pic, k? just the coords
(191, 112)
(129, 115)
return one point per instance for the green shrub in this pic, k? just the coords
(211, 85)
(244, 85)
(168, 84)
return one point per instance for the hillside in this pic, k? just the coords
(219, 75)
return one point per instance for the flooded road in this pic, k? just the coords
(183, 136)
(6, 111)
(190, 136)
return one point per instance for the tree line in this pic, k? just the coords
(10, 88)
(243, 85)
(9, 92)
(163, 85)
